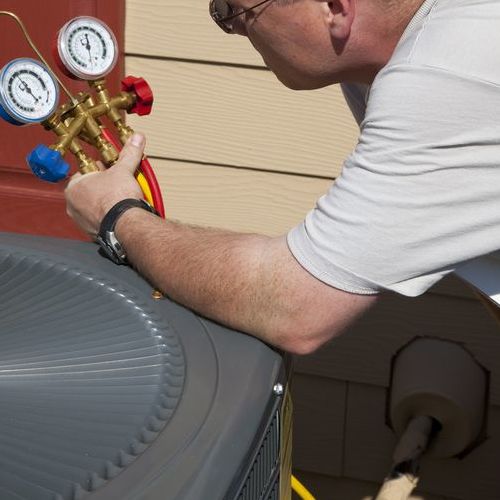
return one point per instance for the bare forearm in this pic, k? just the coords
(249, 282)
(222, 275)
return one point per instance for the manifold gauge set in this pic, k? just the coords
(84, 49)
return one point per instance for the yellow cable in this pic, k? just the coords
(145, 188)
(300, 489)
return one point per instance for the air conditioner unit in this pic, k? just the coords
(107, 393)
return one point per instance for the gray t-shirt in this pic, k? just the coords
(420, 194)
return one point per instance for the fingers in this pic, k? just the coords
(132, 152)
(77, 177)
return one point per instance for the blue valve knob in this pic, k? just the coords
(47, 164)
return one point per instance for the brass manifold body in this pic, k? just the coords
(80, 119)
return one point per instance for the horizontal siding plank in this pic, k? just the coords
(369, 442)
(243, 117)
(369, 445)
(318, 424)
(329, 488)
(364, 353)
(178, 29)
(238, 200)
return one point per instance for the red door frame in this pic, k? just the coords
(28, 205)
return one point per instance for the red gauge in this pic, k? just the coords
(86, 48)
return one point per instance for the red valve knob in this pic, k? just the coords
(143, 93)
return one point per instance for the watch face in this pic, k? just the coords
(107, 238)
(115, 244)
(107, 250)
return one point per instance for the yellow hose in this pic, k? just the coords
(145, 188)
(301, 490)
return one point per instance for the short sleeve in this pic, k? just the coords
(419, 195)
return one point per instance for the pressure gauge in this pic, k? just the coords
(86, 48)
(28, 92)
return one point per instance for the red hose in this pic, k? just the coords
(147, 171)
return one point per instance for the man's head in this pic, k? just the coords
(313, 43)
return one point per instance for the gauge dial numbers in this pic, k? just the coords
(28, 92)
(87, 48)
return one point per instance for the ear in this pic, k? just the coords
(340, 17)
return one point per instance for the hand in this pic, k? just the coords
(89, 197)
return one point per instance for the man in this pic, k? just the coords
(417, 197)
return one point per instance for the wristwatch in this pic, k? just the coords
(109, 245)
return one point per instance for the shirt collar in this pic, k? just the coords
(419, 17)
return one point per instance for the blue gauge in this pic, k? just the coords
(28, 92)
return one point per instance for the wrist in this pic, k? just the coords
(108, 204)
(108, 236)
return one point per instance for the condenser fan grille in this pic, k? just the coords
(88, 378)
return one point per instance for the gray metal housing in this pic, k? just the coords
(109, 394)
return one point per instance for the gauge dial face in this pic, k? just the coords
(87, 47)
(28, 92)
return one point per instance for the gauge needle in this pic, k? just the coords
(86, 44)
(26, 88)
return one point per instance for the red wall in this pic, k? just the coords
(27, 204)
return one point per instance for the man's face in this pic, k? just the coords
(293, 38)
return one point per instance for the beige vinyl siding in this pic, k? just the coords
(182, 30)
(236, 116)
(236, 199)
(234, 149)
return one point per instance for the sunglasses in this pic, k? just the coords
(222, 13)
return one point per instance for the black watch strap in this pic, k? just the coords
(106, 237)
